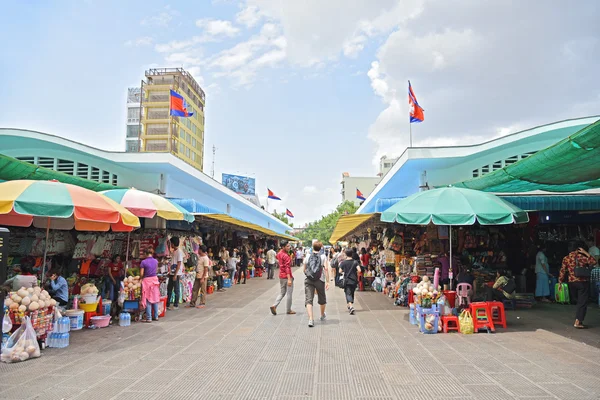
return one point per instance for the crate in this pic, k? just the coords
(131, 305)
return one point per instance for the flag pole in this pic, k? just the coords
(410, 132)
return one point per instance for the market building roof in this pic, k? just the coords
(429, 167)
(160, 173)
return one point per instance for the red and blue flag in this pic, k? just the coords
(271, 195)
(289, 213)
(178, 105)
(359, 195)
(416, 112)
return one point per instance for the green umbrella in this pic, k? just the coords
(454, 206)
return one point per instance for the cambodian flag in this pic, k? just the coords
(359, 195)
(289, 213)
(272, 195)
(416, 112)
(178, 105)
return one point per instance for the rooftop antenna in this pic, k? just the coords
(212, 171)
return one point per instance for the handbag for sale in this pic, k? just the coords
(580, 271)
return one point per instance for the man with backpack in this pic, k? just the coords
(317, 280)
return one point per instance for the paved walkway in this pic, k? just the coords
(235, 349)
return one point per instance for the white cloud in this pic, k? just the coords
(163, 19)
(309, 189)
(142, 41)
(354, 46)
(183, 58)
(250, 16)
(217, 28)
(176, 45)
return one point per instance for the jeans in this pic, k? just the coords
(349, 292)
(111, 290)
(232, 275)
(270, 271)
(219, 281)
(285, 291)
(494, 295)
(581, 293)
(173, 285)
(149, 308)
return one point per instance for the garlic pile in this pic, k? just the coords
(31, 299)
(425, 287)
(132, 284)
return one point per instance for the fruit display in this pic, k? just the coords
(31, 299)
(133, 287)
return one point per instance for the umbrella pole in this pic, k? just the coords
(127, 253)
(452, 274)
(45, 251)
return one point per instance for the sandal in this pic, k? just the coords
(146, 321)
(580, 326)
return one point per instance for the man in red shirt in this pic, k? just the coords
(580, 285)
(286, 279)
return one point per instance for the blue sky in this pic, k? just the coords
(299, 92)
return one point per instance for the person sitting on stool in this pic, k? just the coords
(58, 288)
(504, 288)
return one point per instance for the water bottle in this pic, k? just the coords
(66, 339)
(49, 339)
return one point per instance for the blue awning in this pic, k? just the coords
(556, 203)
(194, 207)
(383, 204)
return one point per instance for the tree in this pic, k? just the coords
(283, 218)
(323, 228)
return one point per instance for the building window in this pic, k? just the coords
(193, 156)
(181, 148)
(475, 173)
(194, 142)
(133, 146)
(188, 138)
(485, 169)
(187, 152)
(133, 114)
(193, 129)
(133, 131)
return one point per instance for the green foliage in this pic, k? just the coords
(283, 218)
(323, 228)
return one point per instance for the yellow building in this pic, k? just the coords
(162, 133)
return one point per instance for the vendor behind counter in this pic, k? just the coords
(25, 278)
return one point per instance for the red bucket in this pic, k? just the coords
(451, 296)
(415, 278)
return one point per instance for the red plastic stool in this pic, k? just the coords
(446, 320)
(482, 316)
(500, 318)
(87, 316)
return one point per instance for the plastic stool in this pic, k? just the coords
(446, 320)
(501, 318)
(482, 316)
(462, 294)
(87, 316)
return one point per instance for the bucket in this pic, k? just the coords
(451, 297)
(100, 321)
(75, 318)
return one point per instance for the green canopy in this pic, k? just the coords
(567, 166)
(454, 206)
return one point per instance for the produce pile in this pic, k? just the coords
(133, 287)
(31, 299)
(426, 293)
(89, 291)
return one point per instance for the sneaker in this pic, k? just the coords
(273, 310)
(323, 317)
(176, 308)
(352, 310)
(171, 308)
(292, 312)
(311, 323)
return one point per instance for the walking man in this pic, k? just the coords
(317, 280)
(175, 274)
(201, 278)
(271, 259)
(286, 279)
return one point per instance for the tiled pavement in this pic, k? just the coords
(235, 349)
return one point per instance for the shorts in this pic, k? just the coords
(310, 286)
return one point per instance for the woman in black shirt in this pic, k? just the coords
(350, 269)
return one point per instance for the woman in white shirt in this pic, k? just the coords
(542, 271)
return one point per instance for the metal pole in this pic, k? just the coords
(410, 132)
(450, 234)
(45, 250)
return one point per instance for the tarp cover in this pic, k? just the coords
(567, 166)
(346, 224)
(12, 169)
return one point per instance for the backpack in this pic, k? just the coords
(510, 286)
(192, 260)
(314, 269)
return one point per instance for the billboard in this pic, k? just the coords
(240, 184)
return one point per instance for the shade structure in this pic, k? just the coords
(454, 206)
(348, 223)
(56, 205)
(149, 205)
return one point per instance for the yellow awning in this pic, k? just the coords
(348, 223)
(243, 224)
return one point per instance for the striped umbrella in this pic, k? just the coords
(149, 205)
(51, 204)
(55, 205)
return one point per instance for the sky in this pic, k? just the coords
(298, 92)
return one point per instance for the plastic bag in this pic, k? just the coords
(22, 345)
(466, 322)
(6, 323)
